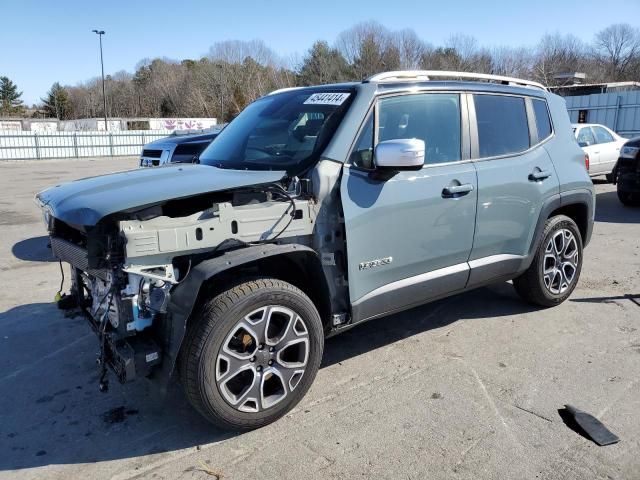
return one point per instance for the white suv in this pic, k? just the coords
(601, 144)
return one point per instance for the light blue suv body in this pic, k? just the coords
(446, 244)
(316, 209)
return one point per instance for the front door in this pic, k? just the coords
(408, 238)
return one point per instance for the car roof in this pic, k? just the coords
(429, 85)
(389, 87)
(433, 80)
(578, 125)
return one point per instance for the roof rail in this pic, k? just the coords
(407, 75)
(280, 90)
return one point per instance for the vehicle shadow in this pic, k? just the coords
(609, 299)
(51, 412)
(34, 249)
(609, 209)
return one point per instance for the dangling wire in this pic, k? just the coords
(59, 294)
(102, 327)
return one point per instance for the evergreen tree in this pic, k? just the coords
(10, 103)
(56, 104)
(324, 64)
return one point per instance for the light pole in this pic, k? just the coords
(104, 95)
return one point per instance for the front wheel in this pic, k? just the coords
(252, 353)
(555, 269)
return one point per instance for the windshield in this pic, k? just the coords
(286, 131)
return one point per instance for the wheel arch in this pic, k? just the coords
(579, 213)
(576, 204)
(294, 263)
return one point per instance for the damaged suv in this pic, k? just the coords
(317, 209)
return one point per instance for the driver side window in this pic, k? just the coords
(432, 117)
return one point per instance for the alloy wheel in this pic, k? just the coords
(560, 261)
(263, 358)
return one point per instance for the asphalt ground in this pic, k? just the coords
(468, 387)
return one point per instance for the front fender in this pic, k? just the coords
(185, 295)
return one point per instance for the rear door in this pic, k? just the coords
(609, 148)
(515, 178)
(407, 240)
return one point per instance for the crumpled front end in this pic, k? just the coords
(125, 267)
(124, 309)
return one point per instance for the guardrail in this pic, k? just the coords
(36, 145)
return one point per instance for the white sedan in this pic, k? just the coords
(601, 144)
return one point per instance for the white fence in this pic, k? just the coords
(34, 145)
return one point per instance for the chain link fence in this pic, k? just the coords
(35, 145)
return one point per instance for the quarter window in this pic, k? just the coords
(602, 136)
(502, 125)
(432, 117)
(543, 123)
(362, 154)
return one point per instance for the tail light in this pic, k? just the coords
(586, 161)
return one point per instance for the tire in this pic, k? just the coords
(227, 377)
(628, 198)
(543, 283)
(609, 177)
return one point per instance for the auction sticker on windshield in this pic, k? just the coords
(326, 98)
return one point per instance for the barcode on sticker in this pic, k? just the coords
(327, 99)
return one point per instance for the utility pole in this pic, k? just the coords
(104, 95)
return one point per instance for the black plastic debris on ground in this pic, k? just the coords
(117, 415)
(587, 425)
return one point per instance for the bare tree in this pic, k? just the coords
(410, 47)
(557, 54)
(512, 62)
(236, 51)
(617, 48)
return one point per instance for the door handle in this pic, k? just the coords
(453, 190)
(539, 175)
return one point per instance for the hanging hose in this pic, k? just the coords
(102, 327)
(59, 295)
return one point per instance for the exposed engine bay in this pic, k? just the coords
(125, 267)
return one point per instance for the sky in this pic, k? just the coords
(45, 41)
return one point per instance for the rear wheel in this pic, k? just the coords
(556, 267)
(252, 354)
(627, 198)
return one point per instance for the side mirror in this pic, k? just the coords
(195, 159)
(583, 144)
(400, 154)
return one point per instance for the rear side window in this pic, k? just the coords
(502, 125)
(543, 122)
(602, 136)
